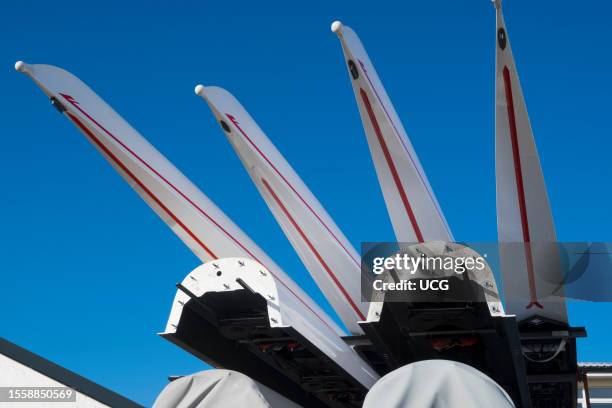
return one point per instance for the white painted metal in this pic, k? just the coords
(413, 208)
(327, 254)
(188, 212)
(528, 252)
(283, 308)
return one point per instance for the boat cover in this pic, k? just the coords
(437, 384)
(219, 388)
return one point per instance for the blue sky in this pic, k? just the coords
(88, 270)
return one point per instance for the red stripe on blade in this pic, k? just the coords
(518, 173)
(403, 142)
(140, 184)
(235, 122)
(392, 169)
(313, 249)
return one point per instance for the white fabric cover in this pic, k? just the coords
(437, 384)
(219, 388)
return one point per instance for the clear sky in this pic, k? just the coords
(88, 270)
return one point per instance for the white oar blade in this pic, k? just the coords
(529, 254)
(413, 208)
(186, 210)
(324, 250)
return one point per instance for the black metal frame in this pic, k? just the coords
(551, 383)
(226, 329)
(463, 332)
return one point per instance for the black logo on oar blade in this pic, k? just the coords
(353, 69)
(501, 38)
(225, 126)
